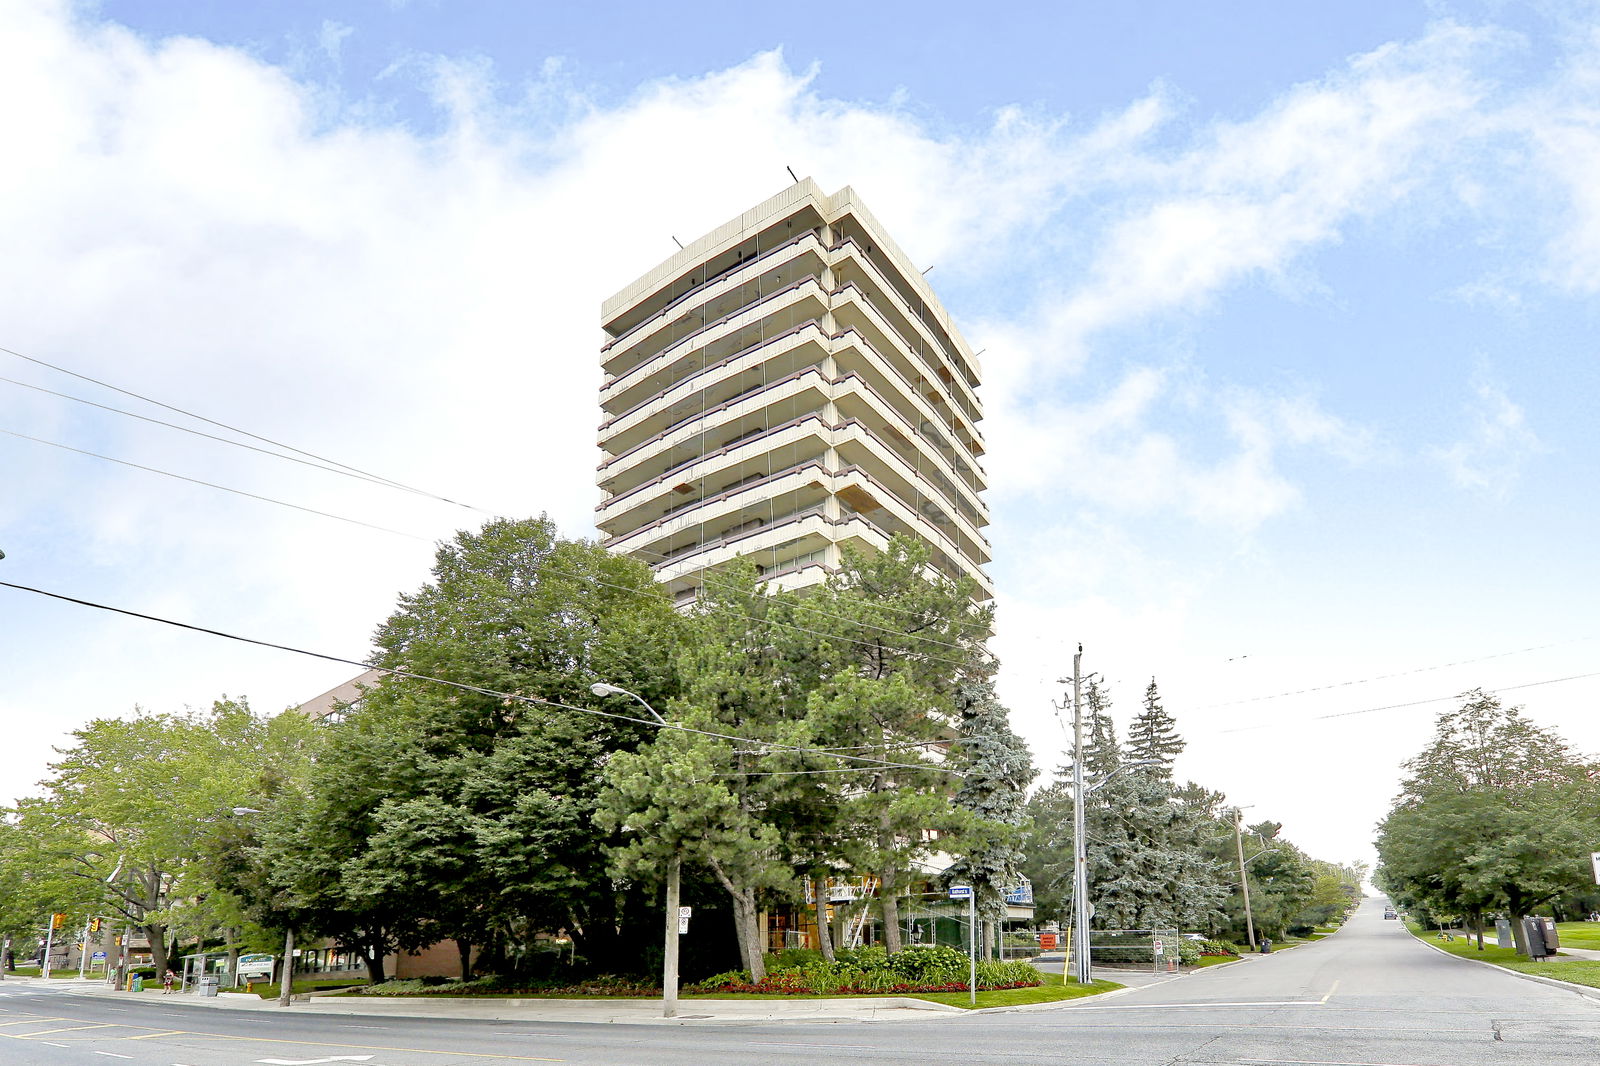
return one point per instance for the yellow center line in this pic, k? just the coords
(67, 1029)
(151, 1036)
(36, 1021)
(356, 1047)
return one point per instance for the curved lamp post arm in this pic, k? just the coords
(601, 688)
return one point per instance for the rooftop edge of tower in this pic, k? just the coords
(791, 201)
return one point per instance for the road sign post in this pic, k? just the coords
(965, 892)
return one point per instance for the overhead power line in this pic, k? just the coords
(211, 485)
(1416, 703)
(1389, 677)
(230, 428)
(482, 691)
(342, 471)
(352, 471)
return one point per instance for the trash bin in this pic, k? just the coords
(136, 983)
(1266, 947)
(209, 983)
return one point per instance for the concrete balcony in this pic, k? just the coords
(740, 374)
(730, 422)
(678, 475)
(711, 299)
(853, 309)
(941, 359)
(686, 335)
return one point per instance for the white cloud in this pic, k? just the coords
(331, 38)
(1498, 442)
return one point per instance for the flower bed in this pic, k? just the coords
(872, 971)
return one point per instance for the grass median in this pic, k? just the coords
(1574, 971)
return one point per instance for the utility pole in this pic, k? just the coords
(1244, 880)
(1080, 860)
(669, 967)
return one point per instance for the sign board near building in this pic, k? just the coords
(960, 891)
(254, 966)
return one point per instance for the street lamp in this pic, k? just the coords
(669, 960)
(600, 688)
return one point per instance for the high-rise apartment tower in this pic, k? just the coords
(785, 385)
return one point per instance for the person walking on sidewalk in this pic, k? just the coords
(166, 982)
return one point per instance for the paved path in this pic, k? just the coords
(1369, 994)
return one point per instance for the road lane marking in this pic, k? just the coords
(329, 1043)
(1329, 1062)
(33, 1021)
(1331, 991)
(791, 1043)
(1172, 1006)
(75, 1028)
(113, 1055)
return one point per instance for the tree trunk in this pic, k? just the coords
(744, 922)
(746, 915)
(371, 950)
(891, 921)
(464, 949)
(824, 932)
(157, 935)
(286, 971)
(990, 932)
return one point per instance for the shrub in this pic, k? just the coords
(873, 971)
(1216, 947)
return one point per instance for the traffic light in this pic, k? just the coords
(57, 921)
(94, 925)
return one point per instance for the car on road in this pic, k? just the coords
(1390, 915)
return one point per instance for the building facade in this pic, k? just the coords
(783, 386)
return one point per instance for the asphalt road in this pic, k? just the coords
(1368, 996)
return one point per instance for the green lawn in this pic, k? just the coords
(1579, 934)
(1012, 997)
(1213, 960)
(1577, 971)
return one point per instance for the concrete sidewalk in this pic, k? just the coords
(527, 1009)
(595, 1011)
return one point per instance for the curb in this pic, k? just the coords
(1586, 991)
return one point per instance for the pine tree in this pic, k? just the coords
(998, 768)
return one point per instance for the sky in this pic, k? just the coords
(1287, 316)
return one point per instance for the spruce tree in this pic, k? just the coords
(1154, 734)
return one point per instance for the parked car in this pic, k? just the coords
(1390, 915)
